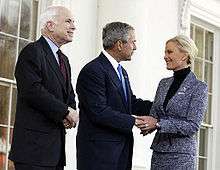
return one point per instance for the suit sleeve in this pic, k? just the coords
(154, 109)
(140, 107)
(29, 81)
(196, 111)
(72, 102)
(91, 90)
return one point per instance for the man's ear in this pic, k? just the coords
(119, 44)
(50, 26)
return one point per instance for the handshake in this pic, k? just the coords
(71, 119)
(147, 124)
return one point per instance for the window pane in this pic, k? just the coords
(3, 143)
(4, 104)
(10, 165)
(199, 40)
(202, 164)
(22, 44)
(203, 137)
(7, 56)
(209, 46)
(13, 109)
(9, 16)
(208, 75)
(191, 31)
(28, 26)
(198, 69)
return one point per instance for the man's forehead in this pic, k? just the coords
(131, 34)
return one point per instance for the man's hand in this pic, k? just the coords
(71, 119)
(146, 123)
(67, 124)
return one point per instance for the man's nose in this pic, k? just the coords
(134, 47)
(165, 56)
(72, 26)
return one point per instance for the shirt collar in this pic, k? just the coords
(111, 60)
(52, 45)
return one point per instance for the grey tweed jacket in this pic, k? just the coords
(182, 117)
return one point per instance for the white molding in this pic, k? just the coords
(215, 104)
(189, 8)
(184, 17)
(205, 14)
(5, 80)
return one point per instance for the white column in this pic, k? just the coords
(184, 17)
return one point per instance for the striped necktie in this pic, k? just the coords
(122, 79)
(62, 65)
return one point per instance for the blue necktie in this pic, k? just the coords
(119, 68)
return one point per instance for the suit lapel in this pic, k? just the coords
(164, 90)
(186, 84)
(113, 76)
(52, 61)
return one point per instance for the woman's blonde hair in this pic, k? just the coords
(187, 45)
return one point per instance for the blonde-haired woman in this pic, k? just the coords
(179, 106)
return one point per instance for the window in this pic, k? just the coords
(203, 68)
(18, 23)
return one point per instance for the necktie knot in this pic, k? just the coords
(60, 54)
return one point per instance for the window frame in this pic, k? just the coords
(211, 128)
(11, 83)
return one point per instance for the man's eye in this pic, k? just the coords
(168, 51)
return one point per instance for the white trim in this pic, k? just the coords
(8, 128)
(205, 14)
(5, 126)
(203, 24)
(184, 16)
(216, 98)
(7, 80)
(38, 16)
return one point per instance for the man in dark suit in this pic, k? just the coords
(106, 103)
(45, 99)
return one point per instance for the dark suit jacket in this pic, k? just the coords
(42, 101)
(104, 138)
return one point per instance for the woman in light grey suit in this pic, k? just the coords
(179, 106)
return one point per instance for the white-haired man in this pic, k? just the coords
(45, 99)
